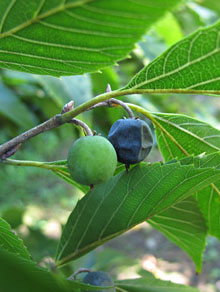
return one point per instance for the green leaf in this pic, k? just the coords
(180, 136)
(151, 285)
(20, 275)
(13, 109)
(184, 224)
(126, 200)
(60, 169)
(209, 204)
(189, 65)
(72, 37)
(77, 284)
(10, 242)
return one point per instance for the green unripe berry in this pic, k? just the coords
(92, 160)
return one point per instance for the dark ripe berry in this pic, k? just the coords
(92, 160)
(132, 140)
(99, 279)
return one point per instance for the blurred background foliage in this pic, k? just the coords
(37, 203)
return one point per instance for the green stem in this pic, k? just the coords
(60, 119)
(121, 92)
(45, 165)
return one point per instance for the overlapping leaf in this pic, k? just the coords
(180, 136)
(128, 199)
(151, 285)
(21, 275)
(191, 64)
(10, 242)
(72, 37)
(209, 204)
(184, 225)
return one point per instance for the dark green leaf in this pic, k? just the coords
(184, 224)
(10, 242)
(128, 199)
(209, 204)
(151, 285)
(180, 136)
(20, 275)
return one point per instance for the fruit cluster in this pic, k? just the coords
(93, 159)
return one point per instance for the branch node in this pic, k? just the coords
(10, 152)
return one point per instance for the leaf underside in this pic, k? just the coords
(179, 136)
(149, 284)
(191, 64)
(72, 37)
(184, 224)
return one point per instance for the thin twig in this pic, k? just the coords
(124, 105)
(60, 119)
(11, 151)
(111, 102)
(52, 123)
(81, 270)
(83, 125)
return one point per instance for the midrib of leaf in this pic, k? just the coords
(37, 17)
(78, 218)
